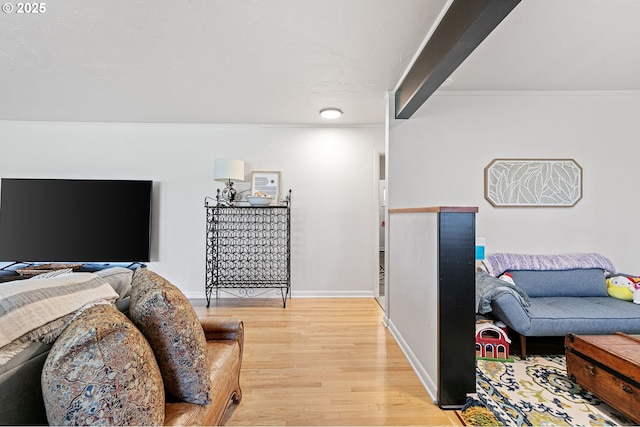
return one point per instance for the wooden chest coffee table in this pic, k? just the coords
(609, 367)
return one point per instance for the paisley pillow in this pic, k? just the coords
(101, 370)
(167, 318)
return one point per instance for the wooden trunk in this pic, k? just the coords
(609, 367)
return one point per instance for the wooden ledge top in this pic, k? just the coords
(436, 209)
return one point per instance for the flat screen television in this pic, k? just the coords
(75, 220)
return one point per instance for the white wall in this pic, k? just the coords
(330, 170)
(413, 275)
(438, 157)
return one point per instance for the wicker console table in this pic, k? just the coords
(248, 250)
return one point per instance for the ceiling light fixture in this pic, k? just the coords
(330, 113)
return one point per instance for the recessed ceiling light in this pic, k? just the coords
(330, 113)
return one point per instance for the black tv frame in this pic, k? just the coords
(75, 220)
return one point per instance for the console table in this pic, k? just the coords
(248, 250)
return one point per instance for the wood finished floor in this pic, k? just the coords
(323, 362)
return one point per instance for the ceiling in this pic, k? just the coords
(550, 45)
(280, 61)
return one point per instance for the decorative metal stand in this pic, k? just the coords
(248, 250)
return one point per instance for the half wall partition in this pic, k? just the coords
(431, 293)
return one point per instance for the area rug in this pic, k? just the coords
(534, 391)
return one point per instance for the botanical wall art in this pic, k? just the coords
(533, 182)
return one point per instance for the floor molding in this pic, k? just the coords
(428, 382)
(333, 294)
(296, 294)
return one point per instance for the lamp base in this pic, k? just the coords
(227, 196)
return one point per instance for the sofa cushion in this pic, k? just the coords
(557, 316)
(589, 282)
(101, 370)
(165, 316)
(20, 386)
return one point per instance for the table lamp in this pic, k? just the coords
(227, 171)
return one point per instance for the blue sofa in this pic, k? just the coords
(561, 296)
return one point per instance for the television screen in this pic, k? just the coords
(74, 220)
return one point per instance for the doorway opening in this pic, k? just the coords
(381, 183)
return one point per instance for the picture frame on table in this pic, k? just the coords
(267, 182)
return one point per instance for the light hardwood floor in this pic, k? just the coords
(323, 362)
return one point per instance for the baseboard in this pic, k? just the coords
(332, 294)
(428, 382)
(196, 299)
(294, 294)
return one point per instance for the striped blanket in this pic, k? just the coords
(501, 262)
(26, 305)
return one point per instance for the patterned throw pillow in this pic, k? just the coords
(101, 370)
(165, 316)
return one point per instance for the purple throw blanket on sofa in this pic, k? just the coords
(501, 262)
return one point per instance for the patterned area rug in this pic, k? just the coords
(535, 392)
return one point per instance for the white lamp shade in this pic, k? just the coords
(228, 169)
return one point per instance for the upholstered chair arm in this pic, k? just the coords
(216, 328)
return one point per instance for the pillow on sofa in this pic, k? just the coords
(165, 316)
(119, 278)
(588, 282)
(101, 370)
